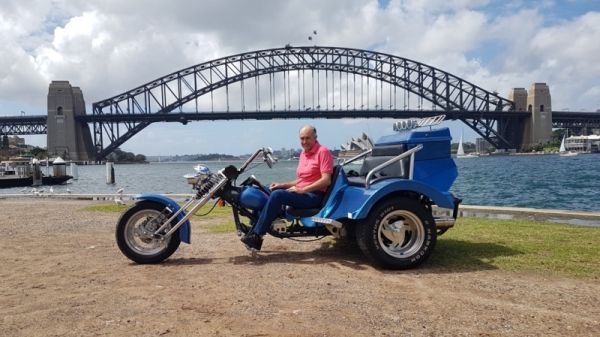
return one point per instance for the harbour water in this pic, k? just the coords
(545, 181)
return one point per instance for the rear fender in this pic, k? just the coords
(386, 187)
(184, 230)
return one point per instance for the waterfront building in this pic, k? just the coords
(356, 146)
(583, 143)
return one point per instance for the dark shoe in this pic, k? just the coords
(252, 241)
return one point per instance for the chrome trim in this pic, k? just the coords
(400, 157)
(327, 221)
(357, 157)
(444, 222)
(199, 203)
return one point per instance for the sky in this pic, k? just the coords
(107, 47)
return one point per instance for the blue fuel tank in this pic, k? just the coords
(253, 198)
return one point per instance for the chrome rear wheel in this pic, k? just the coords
(399, 233)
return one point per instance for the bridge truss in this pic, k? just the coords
(302, 82)
(23, 125)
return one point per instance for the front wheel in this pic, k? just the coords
(135, 231)
(398, 234)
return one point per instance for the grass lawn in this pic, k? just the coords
(477, 243)
(520, 245)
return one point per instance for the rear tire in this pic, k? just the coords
(134, 229)
(398, 234)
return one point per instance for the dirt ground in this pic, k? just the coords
(63, 275)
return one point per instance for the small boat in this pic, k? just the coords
(22, 173)
(460, 153)
(563, 150)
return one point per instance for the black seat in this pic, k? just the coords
(306, 212)
(380, 155)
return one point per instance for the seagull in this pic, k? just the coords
(119, 197)
(68, 190)
(51, 189)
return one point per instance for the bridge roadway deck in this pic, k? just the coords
(218, 115)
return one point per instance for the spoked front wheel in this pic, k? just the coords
(135, 233)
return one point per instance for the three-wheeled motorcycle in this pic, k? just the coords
(386, 204)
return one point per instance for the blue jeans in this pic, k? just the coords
(280, 197)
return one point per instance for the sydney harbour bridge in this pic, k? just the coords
(288, 83)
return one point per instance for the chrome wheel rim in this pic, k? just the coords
(139, 230)
(401, 234)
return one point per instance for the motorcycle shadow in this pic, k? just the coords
(333, 259)
(336, 254)
(187, 261)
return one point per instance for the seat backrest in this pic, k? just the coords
(399, 169)
(334, 176)
(381, 154)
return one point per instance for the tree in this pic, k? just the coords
(119, 156)
(39, 153)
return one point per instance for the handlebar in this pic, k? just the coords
(267, 153)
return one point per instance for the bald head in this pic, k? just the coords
(308, 137)
(309, 128)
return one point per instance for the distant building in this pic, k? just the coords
(16, 141)
(356, 146)
(583, 143)
(482, 145)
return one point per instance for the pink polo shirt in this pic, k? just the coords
(312, 163)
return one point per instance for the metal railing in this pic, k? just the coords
(398, 158)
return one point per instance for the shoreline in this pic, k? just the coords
(570, 217)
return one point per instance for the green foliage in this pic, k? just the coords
(217, 212)
(222, 227)
(39, 153)
(520, 245)
(119, 156)
(468, 147)
(111, 208)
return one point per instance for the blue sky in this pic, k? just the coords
(107, 47)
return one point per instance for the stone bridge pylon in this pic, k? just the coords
(67, 137)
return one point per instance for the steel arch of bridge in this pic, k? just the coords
(122, 116)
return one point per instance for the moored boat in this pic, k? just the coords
(23, 172)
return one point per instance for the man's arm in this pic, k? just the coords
(318, 185)
(288, 184)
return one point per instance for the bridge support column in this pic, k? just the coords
(519, 131)
(537, 129)
(67, 137)
(539, 104)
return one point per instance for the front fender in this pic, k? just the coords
(364, 199)
(184, 230)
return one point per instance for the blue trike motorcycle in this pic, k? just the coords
(386, 205)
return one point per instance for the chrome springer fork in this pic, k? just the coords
(197, 201)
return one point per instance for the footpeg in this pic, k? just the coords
(326, 221)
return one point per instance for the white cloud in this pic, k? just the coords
(110, 46)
